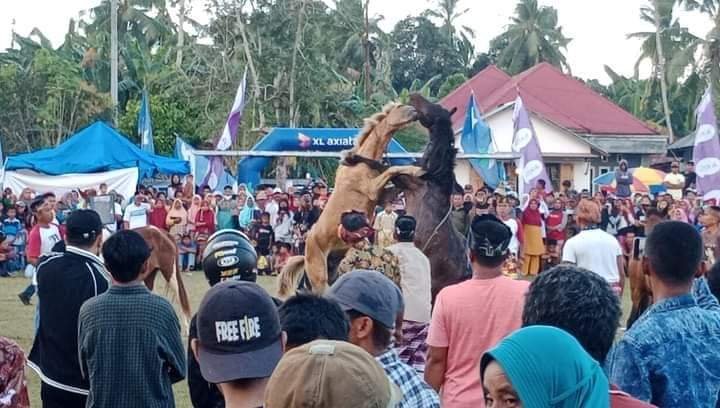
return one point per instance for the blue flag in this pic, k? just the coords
(476, 138)
(145, 125)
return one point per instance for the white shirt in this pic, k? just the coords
(117, 210)
(514, 245)
(671, 178)
(415, 281)
(137, 215)
(272, 208)
(596, 251)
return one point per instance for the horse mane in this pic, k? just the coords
(370, 123)
(438, 161)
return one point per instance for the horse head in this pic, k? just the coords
(380, 128)
(430, 114)
(439, 157)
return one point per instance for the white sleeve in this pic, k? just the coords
(126, 214)
(568, 254)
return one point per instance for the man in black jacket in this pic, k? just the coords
(65, 281)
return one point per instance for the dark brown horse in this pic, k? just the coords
(428, 198)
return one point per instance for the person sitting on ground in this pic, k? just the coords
(595, 249)
(326, 373)
(455, 327)
(13, 386)
(416, 289)
(129, 341)
(542, 366)
(355, 231)
(373, 303)
(306, 317)
(228, 256)
(239, 342)
(65, 281)
(669, 357)
(581, 303)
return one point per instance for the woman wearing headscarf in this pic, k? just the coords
(177, 220)
(533, 247)
(247, 213)
(192, 213)
(623, 180)
(158, 214)
(542, 367)
(355, 231)
(204, 225)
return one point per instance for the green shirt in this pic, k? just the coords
(130, 348)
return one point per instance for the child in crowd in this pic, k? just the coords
(15, 237)
(264, 237)
(186, 252)
(283, 251)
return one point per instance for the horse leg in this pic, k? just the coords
(150, 279)
(376, 185)
(316, 264)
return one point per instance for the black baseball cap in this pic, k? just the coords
(239, 332)
(370, 293)
(83, 224)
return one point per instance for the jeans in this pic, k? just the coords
(187, 260)
(29, 291)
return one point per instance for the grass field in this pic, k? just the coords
(16, 322)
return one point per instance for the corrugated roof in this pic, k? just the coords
(547, 91)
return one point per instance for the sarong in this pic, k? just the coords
(414, 349)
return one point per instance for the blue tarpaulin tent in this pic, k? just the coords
(303, 139)
(97, 148)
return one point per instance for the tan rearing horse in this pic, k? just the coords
(359, 181)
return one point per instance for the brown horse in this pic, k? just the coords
(163, 258)
(428, 198)
(359, 181)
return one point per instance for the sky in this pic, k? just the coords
(598, 28)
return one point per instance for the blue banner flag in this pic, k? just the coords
(145, 125)
(476, 138)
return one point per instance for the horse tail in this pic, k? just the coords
(289, 275)
(179, 286)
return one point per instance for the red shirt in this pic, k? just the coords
(619, 399)
(554, 219)
(531, 217)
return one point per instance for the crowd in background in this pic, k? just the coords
(494, 340)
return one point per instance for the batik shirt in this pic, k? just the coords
(364, 255)
(670, 356)
(416, 392)
(13, 388)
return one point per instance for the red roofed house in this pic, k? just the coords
(581, 133)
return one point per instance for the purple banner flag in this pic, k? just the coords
(530, 164)
(228, 136)
(706, 152)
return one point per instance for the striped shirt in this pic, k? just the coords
(130, 348)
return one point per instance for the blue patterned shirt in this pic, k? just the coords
(670, 357)
(416, 392)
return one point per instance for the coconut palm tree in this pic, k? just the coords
(532, 37)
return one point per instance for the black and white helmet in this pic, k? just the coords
(229, 255)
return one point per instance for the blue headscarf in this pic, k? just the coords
(247, 213)
(548, 368)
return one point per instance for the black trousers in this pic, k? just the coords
(56, 398)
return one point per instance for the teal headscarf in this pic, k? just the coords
(548, 368)
(246, 214)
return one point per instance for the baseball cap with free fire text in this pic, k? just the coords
(239, 332)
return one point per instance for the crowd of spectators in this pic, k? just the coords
(373, 338)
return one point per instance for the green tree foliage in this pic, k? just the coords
(532, 37)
